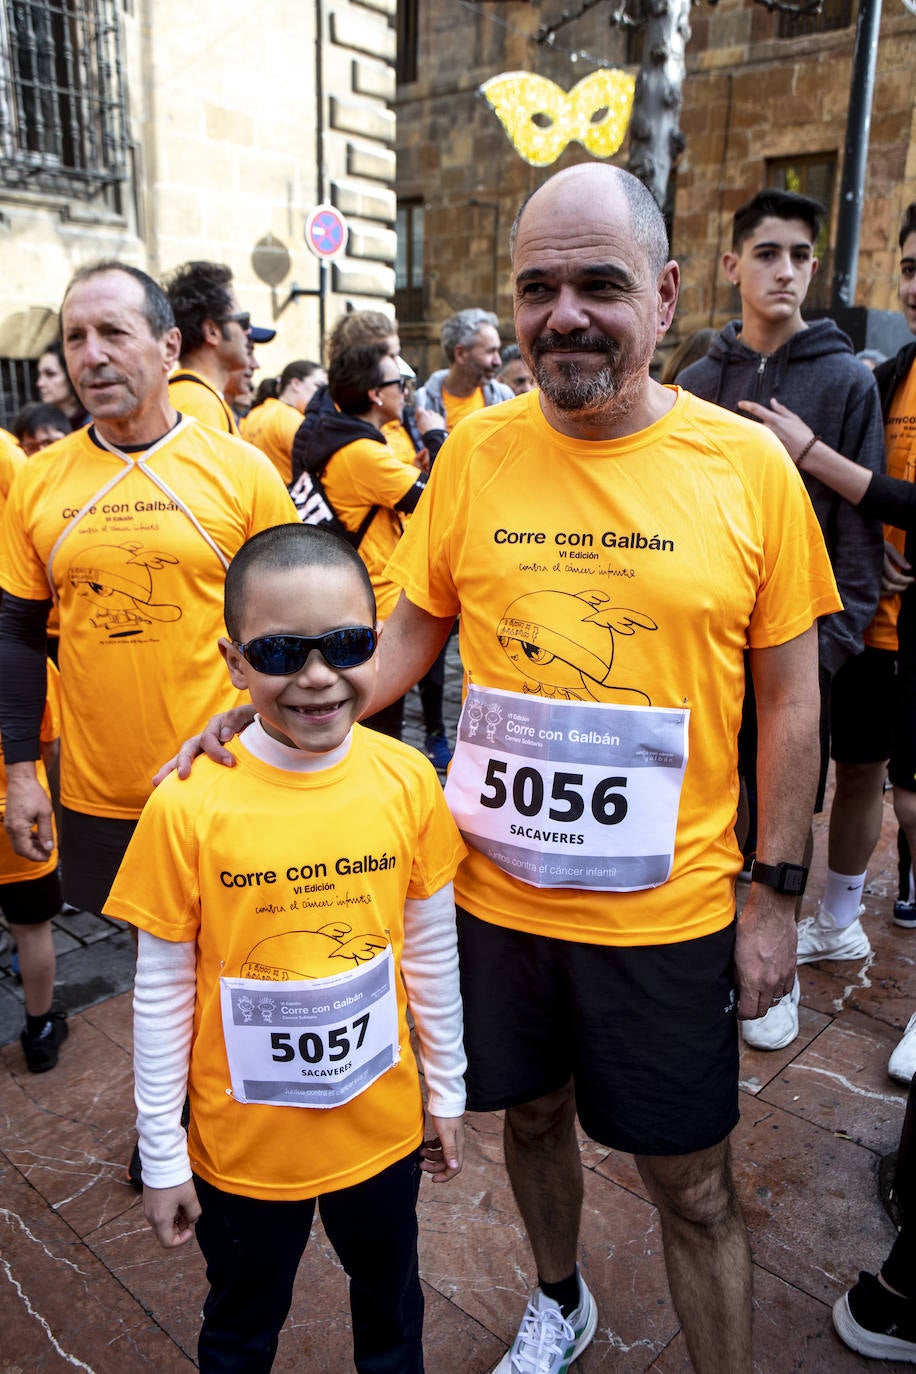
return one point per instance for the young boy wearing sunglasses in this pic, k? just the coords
(289, 910)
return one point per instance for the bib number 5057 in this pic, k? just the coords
(607, 801)
(312, 1047)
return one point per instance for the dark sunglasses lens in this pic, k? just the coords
(349, 648)
(276, 655)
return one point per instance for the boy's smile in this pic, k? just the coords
(312, 709)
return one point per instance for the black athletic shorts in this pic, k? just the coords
(648, 1034)
(874, 714)
(32, 901)
(91, 850)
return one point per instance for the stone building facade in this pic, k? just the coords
(764, 103)
(155, 132)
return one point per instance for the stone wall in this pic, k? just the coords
(224, 121)
(748, 97)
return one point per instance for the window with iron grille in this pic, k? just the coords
(17, 387)
(63, 119)
(408, 279)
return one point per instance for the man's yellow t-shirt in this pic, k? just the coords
(458, 407)
(282, 876)
(12, 459)
(632, 572)
(900, 444)
(192, 394)
(272, 427)
(139, 582)
(362, 475)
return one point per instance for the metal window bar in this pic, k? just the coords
(17, 387)
(63, 115)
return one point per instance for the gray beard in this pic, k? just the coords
(594, 392)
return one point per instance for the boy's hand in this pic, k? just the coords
(896, 574)
(218, 730)
(444, 1156)
(171, 1212)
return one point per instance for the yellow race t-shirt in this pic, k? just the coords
(283, 876)
(362, 475)
(633, 573)
(11, 460)
(13, 867)
(192, 394)
(458, 407)
(137, 563)
(900, 444)
(272, 427)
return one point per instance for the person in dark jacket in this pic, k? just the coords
(771, 357)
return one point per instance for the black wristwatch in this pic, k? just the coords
(788, 878)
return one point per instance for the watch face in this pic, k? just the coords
(793, 880)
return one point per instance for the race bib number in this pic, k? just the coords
(569, 794)
(315, 1042)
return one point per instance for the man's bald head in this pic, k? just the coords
(590, 178)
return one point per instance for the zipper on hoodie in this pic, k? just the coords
(761, 369)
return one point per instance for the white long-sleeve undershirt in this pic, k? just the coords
(165, 990)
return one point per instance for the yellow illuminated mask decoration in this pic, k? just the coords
(541, 118)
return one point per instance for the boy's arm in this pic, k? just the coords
(164, 992)
(429, 968)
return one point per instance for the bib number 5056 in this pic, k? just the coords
(607, 801)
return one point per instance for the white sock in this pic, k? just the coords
(842, 897)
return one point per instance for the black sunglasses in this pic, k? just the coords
(242, 317)
(282, 655)
(395, 381)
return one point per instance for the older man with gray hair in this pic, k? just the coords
(470, 342)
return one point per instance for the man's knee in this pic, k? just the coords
(551, 1116)
(697, 1188)
(858, 782)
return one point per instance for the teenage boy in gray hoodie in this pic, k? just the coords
(768, 364)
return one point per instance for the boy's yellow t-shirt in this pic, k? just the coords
(632, 572)
(198, 869)
(13, 867)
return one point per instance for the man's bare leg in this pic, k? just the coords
(856, 815)
(545, 1170)
(707, 1255)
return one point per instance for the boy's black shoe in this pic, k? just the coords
(133, 1174)
(41, 1050)
(875, 1322)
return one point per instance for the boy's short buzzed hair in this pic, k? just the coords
(908, 223)
(284, 548)
(776, 204)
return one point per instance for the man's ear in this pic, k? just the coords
(730, 267)
(211, 331)
(815, 264)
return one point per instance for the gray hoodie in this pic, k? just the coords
(816, 374)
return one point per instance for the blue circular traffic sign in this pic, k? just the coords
(326, 231)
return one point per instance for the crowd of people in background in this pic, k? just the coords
(153, 504)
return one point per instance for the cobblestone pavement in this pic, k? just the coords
(83, 1285)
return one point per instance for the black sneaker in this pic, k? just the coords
(875, 1322)
(41, 1050)
(133, 1174)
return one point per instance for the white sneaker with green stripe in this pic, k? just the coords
(547, 1342)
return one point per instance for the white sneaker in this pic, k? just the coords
(778, 1028)
(902, 1063)
(820, 938)
(547, 1342)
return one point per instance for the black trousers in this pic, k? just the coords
(253, 1248)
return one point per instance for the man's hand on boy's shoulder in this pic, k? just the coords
(217, 732)
(171, 1212)
(443, 1156)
